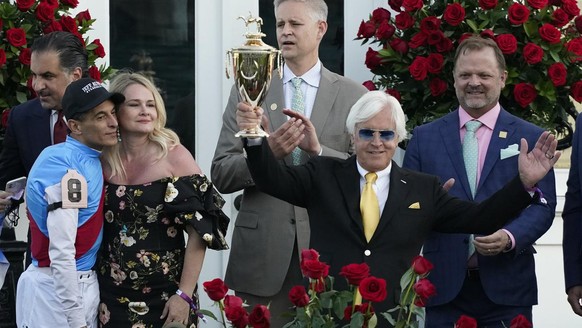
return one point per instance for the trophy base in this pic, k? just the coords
(256, 133)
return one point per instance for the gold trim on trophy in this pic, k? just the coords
(252, 66)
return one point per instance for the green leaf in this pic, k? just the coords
(21, 97)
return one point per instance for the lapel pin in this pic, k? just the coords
(503, 134)
(273, 106)
(403, 181)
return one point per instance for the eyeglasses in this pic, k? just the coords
(368, 134)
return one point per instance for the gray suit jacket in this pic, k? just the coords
(265, 228)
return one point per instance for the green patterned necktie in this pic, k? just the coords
(298, 105)
(471, 158)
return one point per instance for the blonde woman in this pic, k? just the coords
(154, 192)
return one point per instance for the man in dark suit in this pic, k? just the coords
(57, 59)
(572, 215)
(490, 286)
(265, 225)
(411, 204)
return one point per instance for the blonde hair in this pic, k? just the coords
(165, 138)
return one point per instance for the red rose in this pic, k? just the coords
(574, 46)
(314, 269)
(424, 288)
(421, 266)
(576, 91)
(524, 94)
(420, 302)
(373, 60)
(454, 14)
(557, 73)
(2, 57)
(399, 45)
(298, 296)
(488, 4)
(537, 4)
(487, 34)
(69, 24)
(412, 5)
(260, 317)
(571, 7)
(354, 273)
(418, 68)
(362, 308)
(532, 53)
(430, 24)
(373, 289)
(550, 33)
(232, 301)
(435, 63)
(578, 23)
(435, 37)
(394, 93)
(465, 36)
(83, 16)
(444, 45)
(309, 254)
(518, 14)
(418, 40)
(555, 2)
(24, 56)
(1, 23)
(403, 21)
(520, 321)
(5, 114)
(99, 51)
(366, 30)
(216, 289)
(379, 15)
(16, 36)
(466, 322)
(237, 315)
(52, 3)
(94, 73)
(507, 43)
(370, 85)
(24, 5)
(45, 12)
(70, 3)
(437, 87)
(52, 26)
(30, 88)
(396, 5)
(560, 18)
(385, 31)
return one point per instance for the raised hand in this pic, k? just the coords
(533, 166)
(310, 143)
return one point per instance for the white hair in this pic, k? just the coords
(370, 104)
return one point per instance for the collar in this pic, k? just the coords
(76, 144)
(488, 119)
(311, 77)
(384, 173)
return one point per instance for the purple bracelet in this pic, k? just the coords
(191, 302)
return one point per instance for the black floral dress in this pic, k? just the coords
(143, 246)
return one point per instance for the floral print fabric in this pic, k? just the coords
(143, 246)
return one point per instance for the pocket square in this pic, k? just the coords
(415, 206)
(510, 151)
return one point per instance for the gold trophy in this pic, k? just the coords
(252, 67)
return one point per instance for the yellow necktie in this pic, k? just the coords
(369, 206)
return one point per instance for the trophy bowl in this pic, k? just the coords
(252, 67)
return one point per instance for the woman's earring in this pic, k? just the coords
(118, 135)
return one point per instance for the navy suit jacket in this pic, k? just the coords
(28, 133)
(508, 278)
(572, 215)
(330, 190)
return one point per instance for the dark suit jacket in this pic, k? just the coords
(508, 278)
(572, 215)
(28, 133)
(330, 190)
(266, 228)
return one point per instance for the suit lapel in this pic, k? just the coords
(348, 180)
(454, 149)
(396, 195)
(326, 94)
(275, 102)
(503, 127)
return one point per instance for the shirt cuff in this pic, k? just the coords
(511, 238)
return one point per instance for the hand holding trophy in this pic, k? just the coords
(252, 67)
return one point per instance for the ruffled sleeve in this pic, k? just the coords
(193, 200)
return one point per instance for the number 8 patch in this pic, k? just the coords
(74, 190)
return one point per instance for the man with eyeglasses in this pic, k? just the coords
(408, 205)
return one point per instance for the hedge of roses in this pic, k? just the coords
(23, 21)
(541, 41)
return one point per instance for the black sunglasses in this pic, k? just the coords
(368, 134)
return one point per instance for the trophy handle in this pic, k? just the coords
(228, 63)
